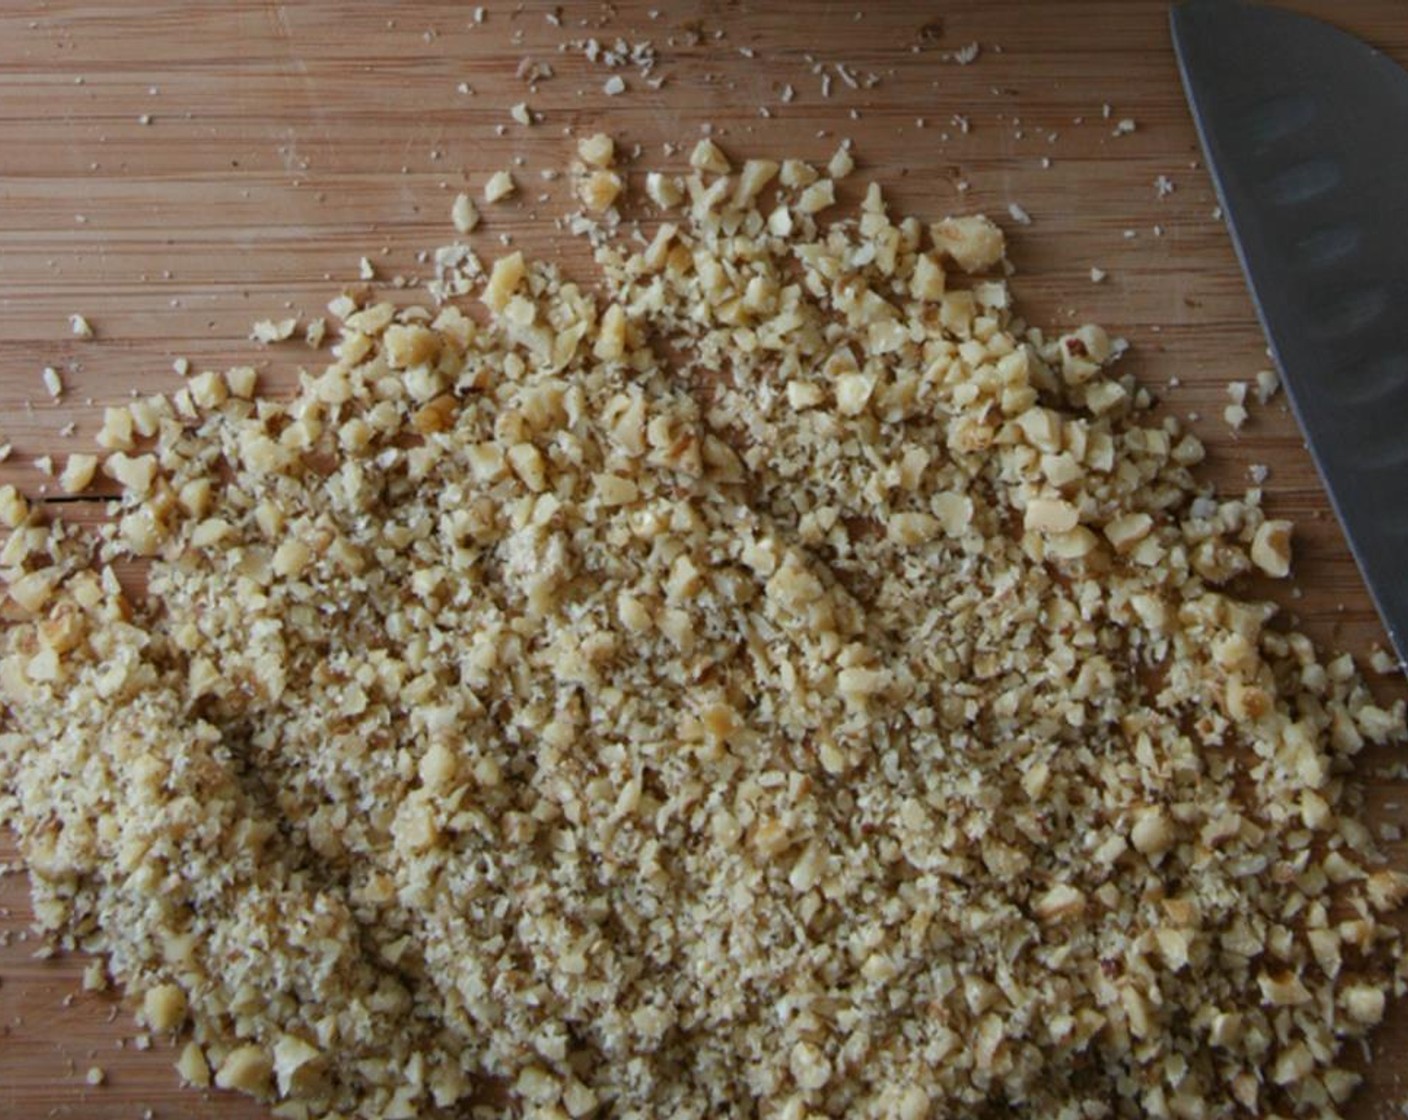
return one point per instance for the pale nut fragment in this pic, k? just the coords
(858, 684)
(912, 528)
(408, 345)
(246, 1068)
(707, 156)
(973, 243)
(240, 380)
(802, 395)
(33, 590)
(1050, 515)
(927, 281)
(133, 473)
(954, 511)
(853, 392)
(597, 150)
(810, 1067)
(291, 558)
(528, 464)
(291, 1056)
(1174, 944)
(500, 185)
(1073, 544)
(1293, 1064)
(1271, 548)
(464, 214)
(817, 197)
(1127, 530)
(1363, 1003)
(841, 164)
(797, 173)
(614, 490)
(116, 434)
(610, 345)
(1283, 990)
(662, 190)
(599, 190)
(1061, 903)
(756, 175)
(537, 1085)
(14, 507)
(914, 1104)
(208, 389)
(1152, 832)
(192, 1066)
(508, 272)
(78, 473)
(164, 1007)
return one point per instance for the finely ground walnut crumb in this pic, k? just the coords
(854, 716)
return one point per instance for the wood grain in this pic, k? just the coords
(284, 142)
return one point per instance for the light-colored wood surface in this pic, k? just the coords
(174, 171)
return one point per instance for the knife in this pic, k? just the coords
(1305, 129)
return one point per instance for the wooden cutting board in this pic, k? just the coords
(174, 171)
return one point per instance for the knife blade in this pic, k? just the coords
(1305, 129)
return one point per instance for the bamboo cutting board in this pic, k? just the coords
(174, 171)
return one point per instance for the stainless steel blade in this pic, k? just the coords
(1306, 133)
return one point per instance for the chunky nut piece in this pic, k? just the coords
(246, 1068)
(853, 392)
(135, 474)
(599, 190)
(499, 186)
(410, 345)
(464, 214)
(1363, 1004)
(841, 163)
(662, 190)
(912, 528)
(116, 433)
(1127, 531)
(1050, 515)
(292, 1055)
(817, 197)
(756, 175)
(164, 1007)
(193, 1067)
(508, 272)
(1152, 832)
(1271, 548)
(810, 1068)
(1060, 903)
(972, 243)
(927, 283)
(597, 150)
(708, 157)
(78, 472)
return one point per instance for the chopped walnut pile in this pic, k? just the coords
(852, 712)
